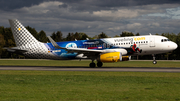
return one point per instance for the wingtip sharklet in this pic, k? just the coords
(54, 43)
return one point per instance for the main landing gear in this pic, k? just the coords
(99, 64)
(92, 64)
(154, 59)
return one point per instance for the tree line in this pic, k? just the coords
(7, 40)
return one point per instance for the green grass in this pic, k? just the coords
(88, 86)
(86, 63)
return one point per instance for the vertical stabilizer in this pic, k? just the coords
(27, 44)
(21, 35)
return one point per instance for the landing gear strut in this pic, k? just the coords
(154, 59)
(92, 64)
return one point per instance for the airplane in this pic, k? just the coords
(102, 50)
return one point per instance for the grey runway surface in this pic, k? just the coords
(119, 69)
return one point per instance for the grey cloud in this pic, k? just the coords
(92, 16)
(9, 5)
(63, 6)
(97, 5)
(84, 5)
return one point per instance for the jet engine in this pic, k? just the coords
(113, 57)
(110, 57)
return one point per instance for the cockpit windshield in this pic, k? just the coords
(164, 40)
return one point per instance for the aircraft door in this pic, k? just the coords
(152, 42)
(139, 44)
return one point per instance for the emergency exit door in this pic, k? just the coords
(152, 41)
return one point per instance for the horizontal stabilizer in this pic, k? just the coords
(15, 50)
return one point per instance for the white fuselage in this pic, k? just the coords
(150, 44)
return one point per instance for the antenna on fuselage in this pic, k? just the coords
(87, 38)
(149, 33)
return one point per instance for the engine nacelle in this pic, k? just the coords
(113, 57)
(110, 57)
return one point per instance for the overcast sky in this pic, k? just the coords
(94, 16)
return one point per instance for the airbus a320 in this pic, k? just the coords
(101, 50)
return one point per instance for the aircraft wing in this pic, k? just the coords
(92, 52)
(84, 51)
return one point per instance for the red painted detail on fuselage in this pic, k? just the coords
(92, 47)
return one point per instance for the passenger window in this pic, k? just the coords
(104, 45)
(108, 46)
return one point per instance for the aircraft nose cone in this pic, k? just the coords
(175, 46)
(171, 46)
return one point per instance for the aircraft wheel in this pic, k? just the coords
(92, 65)
(154, 62)
(99, 64)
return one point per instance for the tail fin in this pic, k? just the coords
(21, 35)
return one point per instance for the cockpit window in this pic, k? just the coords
(164, 40)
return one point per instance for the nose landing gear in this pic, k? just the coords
(154, 59)
(154, 62)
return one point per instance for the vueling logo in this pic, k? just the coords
(139, 38)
